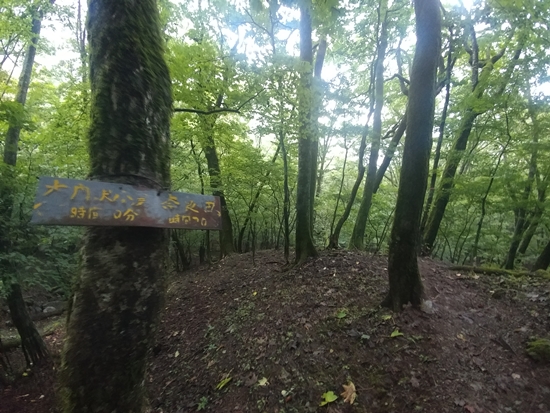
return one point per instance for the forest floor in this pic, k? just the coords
(244, 335)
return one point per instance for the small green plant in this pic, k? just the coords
(341, 314)
(203, 402)
(539, 349)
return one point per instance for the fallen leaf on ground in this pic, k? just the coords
(263, 382)
(349, 394)
(328, 397)
(222, 383)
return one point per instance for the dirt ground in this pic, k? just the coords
(244, 335)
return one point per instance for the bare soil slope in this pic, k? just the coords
(243, 335)
(286, 338)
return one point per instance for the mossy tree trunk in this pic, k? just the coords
(32, 343)
(404, 275)
(304, 236)
(358, 235)
(121, 283)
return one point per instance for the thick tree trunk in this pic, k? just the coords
(121, 285)
(304, 236)
(358, 234)
(404, 275)
(33, 346)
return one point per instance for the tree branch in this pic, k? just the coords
(219, 110)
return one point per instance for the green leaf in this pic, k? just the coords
(263, 382)
(386, 317)
(328, 397)
(396, 333)
(341, 314)
(222, 383)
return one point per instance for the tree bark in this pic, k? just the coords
(543, 260)
(120, 288)
(404, 275)
(437, 155)
(358, 234)
(304, 236)
(33, 346)
(335, 235)
(286, 200)
(214, 171)
(339, 197)
(390, 152)
(317, 98)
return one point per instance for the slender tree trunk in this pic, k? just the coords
(121, 285)
(542, 185)
(484, 200)
(358, 234)
(534, 222)
(323, 165)
(304, 237)
(479, 84)
(216, 184)
(404, 275)
(339, 197)
(286, 200)
(544, 259)
(437, 155)
(521, 223)
(32, 343)
(252, 205)
(335, 235)
(317, 96)
(390, 152)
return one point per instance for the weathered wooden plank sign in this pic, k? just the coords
(62, 201)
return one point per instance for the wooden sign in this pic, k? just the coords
(62, 201)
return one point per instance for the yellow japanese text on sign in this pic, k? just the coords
(62, 201)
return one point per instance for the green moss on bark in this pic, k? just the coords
(120, 289)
